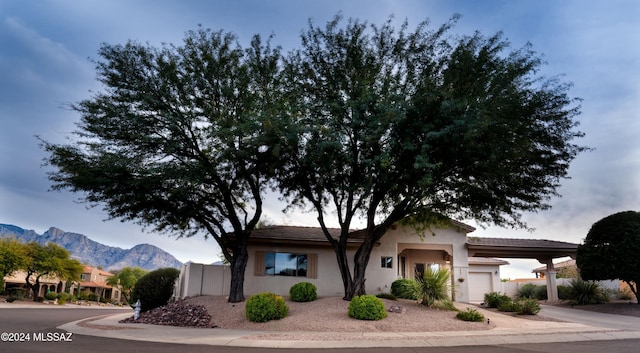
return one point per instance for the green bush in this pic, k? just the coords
(528, 307)
(93, 297)
(51, 295)
(564, 292)
(540, 293)
(303, 292)
(17, 293)
(470, 315)
(527, 291)
(265, 306)
(509, 306)
(386, 296)
(155, 288)
(587, 292)
(494, 299)
(367, 307)
(405, 288)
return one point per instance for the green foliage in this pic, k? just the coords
(564, 292)
(587, 292)
(527, 291)
(521, 306)
(386, 296)
(610, 250)
(529, 307)
(51, 295)
(405, 288)
(367, 307)
(13, 257)
(93, 297)
(434, 286)
(155, 288)
(125, 280)
(494, 299)
(303, 292)
(470, 315)
(265, 306)
(532, 291)
(48, 260)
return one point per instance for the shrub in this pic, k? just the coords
(367, 307)
(386, 296)
(540, 292)
(587, 292)
(563, 292)
(51, 295)
(265, 306)
(303, 292)
(17, 293)
(509, 306)
(11, 299)
(528, 307)
(155, 288)
(625, 294)
(470, 315)
(494, 299)
(433, 286)
(527, 291)
(405, 288)
(93, 297)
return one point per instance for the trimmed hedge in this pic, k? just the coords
(265, 306)
(303, 292)
(367, 307)
(405, 288)
(155, 288)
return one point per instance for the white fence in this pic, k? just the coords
(199, 279)
(511, 288)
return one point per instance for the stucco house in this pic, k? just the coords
(94, 280)
(280, 256)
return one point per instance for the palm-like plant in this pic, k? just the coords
(433, 286)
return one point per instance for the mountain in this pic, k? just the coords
(92, 253)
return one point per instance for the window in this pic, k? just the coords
(386, 262)
(285, 264)
(83, 277)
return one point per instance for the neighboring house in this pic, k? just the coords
(565, 269)
(47, 283)
(281, 256)
(94, 280)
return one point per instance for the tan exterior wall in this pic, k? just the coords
(328, 281)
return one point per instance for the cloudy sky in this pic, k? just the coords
(45, 47)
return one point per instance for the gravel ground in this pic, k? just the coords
(329, 314)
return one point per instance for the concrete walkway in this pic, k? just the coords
(508, 330)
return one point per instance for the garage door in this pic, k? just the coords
(479, 284)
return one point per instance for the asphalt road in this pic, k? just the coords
(43, 323)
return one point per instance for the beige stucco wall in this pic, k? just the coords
(328, 283)
(446, 245)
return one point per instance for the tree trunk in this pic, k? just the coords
(360, 262)
(345, 271)
(36, 290)
(238, 265)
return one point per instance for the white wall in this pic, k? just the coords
(511, 288)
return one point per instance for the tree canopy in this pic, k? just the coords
(610, 250)
(125, 279)
(182, 139)
(361, 121)
(421, 127)
(48, 260)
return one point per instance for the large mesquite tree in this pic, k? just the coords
(421, 126)
(610, 250)
(182, 139)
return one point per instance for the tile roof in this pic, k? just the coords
(313, 234)
(486, 261)
(522, 243)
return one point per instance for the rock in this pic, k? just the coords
(396, 309)
(176, 314)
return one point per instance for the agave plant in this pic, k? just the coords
(433, 286)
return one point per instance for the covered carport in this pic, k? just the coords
(542, 250)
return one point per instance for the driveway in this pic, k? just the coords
(619, 322)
